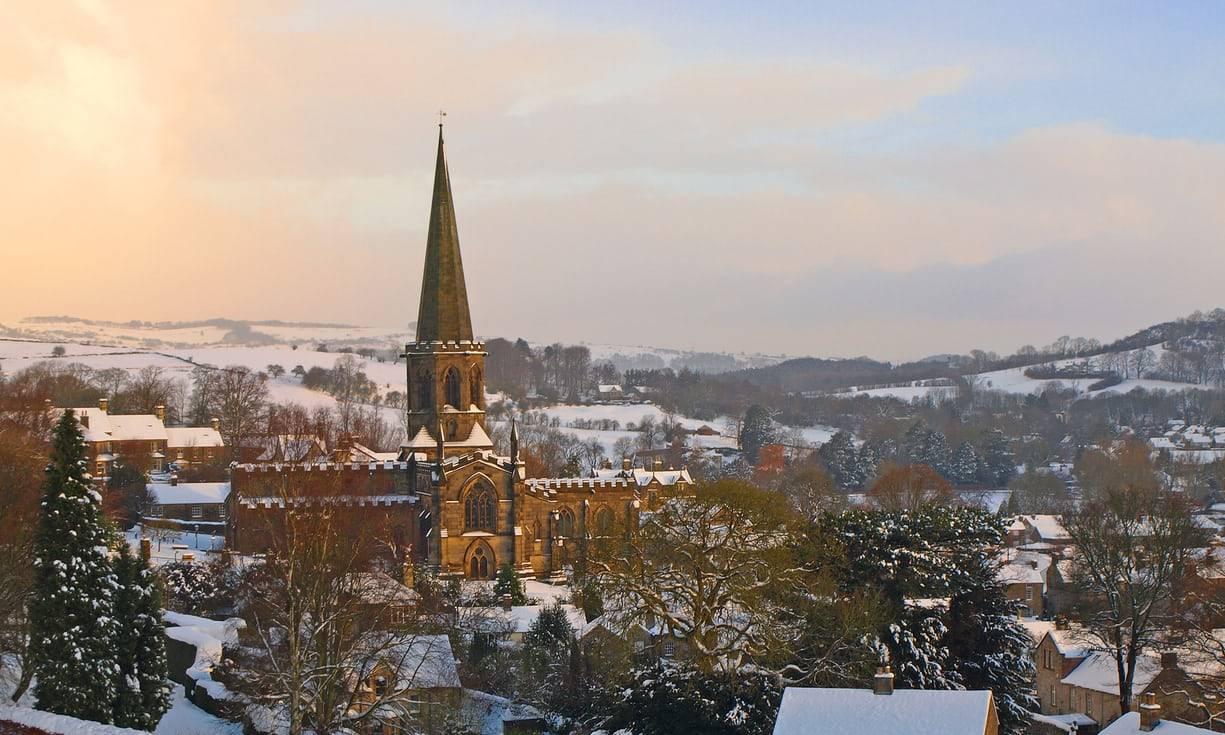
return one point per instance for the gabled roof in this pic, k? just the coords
(806, 711)
(192, 436)
(1129, 724)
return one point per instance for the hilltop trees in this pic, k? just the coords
(72, 613)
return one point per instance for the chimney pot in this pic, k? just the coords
(506, 602)
(174, 480)
(1150, 712)
(103, 403)
(160, 410)
(216, 422)
(882, 683)
(625, 463)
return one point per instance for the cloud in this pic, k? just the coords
(225, 158)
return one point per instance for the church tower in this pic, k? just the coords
(446, 365)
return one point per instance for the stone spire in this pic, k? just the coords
(443, 315)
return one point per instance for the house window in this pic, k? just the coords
(155, 510)
(479, 510)
(565, 523)
(1088, 705)
(221, 511)
(197, 512)
(380, 686)
(669, 648)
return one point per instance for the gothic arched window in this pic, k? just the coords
(479, 510)
(603, 522)
(480, 564)
(474, 385)
(565, 523)
(451, 387)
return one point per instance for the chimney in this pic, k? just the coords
(1061, 623)
(47, 403)
(659, 464)
(103, 403)
(84, 419)
(1169, 660)
(174, 480)
(216, 422)
(146, 549)
(625, 464)
(1033, 563)
(1150, 712)
(506, 602)
(882, 683)
(160, 410)
(408, 577)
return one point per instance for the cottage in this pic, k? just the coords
(884, 711)
(190, 502)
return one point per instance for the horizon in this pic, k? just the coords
(881, 181)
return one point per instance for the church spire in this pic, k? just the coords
(443, 315)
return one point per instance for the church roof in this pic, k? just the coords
(443, 315)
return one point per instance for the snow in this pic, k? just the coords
(199, 543)
(185, 718)
(486, 714)
(807, 711)
(1129, 724)
(209, 637)
(62, 724)
(519, 618)
(190, 493)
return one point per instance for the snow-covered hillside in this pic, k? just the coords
(1014, 380)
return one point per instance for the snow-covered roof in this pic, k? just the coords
(1071, 642)
(486, 714)
(1047, 527)
(190, 493)
(813, 711)
(421, 662)
(1037, 629)
(643, 477)
(193, 436)
(54, 724)
(1099, 673)
(1024, 567)
(289, 447)
(1129, 724)
(1065, 722)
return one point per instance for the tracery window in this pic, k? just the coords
(479, 565)
(565, 523)
(479, 510)
(451, 387)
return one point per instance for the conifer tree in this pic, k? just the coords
(142, 694)
(508, 583)
(72, 623)
(964, 467)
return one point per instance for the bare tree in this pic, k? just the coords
(1133, 547)
(21, 471)
(709, 569)
(323, 621)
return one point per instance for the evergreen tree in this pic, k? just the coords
(508, 583)
(991, 649)
(932, 450)
(866, 463)
(72, 616)
(998, 460)
(142, 694)
(840, 459)
(963, 469)
(553, 672)
(679, 699)
(756, 432)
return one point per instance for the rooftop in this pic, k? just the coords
(806, 711)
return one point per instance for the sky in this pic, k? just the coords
(893, 179)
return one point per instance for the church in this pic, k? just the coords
(449, 499)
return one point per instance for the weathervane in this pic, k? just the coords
(441, 115)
